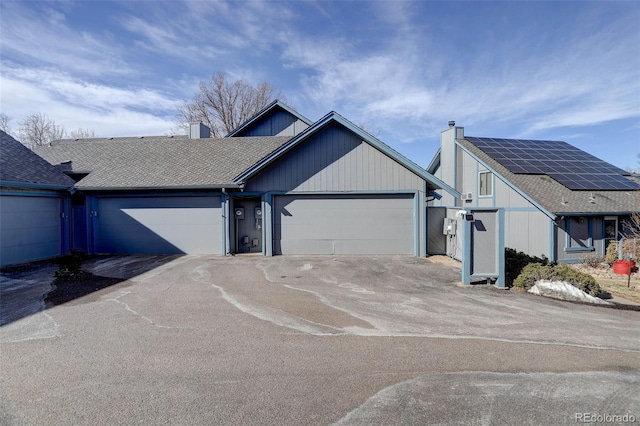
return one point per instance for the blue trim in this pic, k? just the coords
(266, 110)
(501, 281)
(508, 183)
(521, 209)
(435, 162)
(435, 195)
(334, 117)
(32, 194)
(158, 194)
(224, 207)
(466, 250)
(552, 240)
(35, 185)
(357, 192)
(268, 224)
(66, 229)
(578, 249)
(568, 248)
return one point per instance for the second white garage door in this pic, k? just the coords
(344, 224)
(159, 225)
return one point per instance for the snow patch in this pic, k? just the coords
(564, 291)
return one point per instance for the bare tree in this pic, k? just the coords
(223, 105)
(82, 134)
(4, 123)
(38, 129)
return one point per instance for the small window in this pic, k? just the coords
(486, 181)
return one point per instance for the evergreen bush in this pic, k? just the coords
(534, 272)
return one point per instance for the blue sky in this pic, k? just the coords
(538, 70)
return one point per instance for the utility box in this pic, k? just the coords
(258, 213)
(449, 227)
(239, 212)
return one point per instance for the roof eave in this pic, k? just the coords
(158, 188)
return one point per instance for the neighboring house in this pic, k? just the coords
(278, 184)
(33, 205)
(558, 200)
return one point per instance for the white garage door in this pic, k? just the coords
(159, 225)
(354, 224)
(30, 228)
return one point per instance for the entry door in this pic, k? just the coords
(248, 225)
(610, 230)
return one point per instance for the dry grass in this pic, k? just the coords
(618, 287)
(613, 283)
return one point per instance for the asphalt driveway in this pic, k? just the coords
(305, 340)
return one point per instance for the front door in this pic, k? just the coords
(610, 230)
(248, 225)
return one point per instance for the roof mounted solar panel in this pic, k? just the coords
(568, 165)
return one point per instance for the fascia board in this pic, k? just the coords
(34, 185)
(434, 162)
(156, 188)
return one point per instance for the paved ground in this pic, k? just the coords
(303, 340)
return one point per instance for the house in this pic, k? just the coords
(33, 205)
(558, 201)
(279, 184)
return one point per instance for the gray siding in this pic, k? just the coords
(527, 231)
(586, 237)
(278, 123)
(353, 224)
(30, 228)
(335, 160)
(158, 225)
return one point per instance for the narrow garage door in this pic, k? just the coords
(31, 228)
(354, 224)
(158, 225)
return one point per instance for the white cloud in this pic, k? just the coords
(72, 103)
(41, 35)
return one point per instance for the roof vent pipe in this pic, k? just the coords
(452, 123)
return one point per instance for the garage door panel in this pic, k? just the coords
(31, 228)
(159, 225)
(354, 224)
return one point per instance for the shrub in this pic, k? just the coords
(535, 272)
(612, 253)
(515, 261)
(531, 273)
(584, 282)
(592, 260)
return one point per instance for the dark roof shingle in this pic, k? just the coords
(21, 165)
(159, 161)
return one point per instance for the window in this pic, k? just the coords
(486, 184)
(610, 230)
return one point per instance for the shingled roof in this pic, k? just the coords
(556, 198)
(157, 162)
(19, 165)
